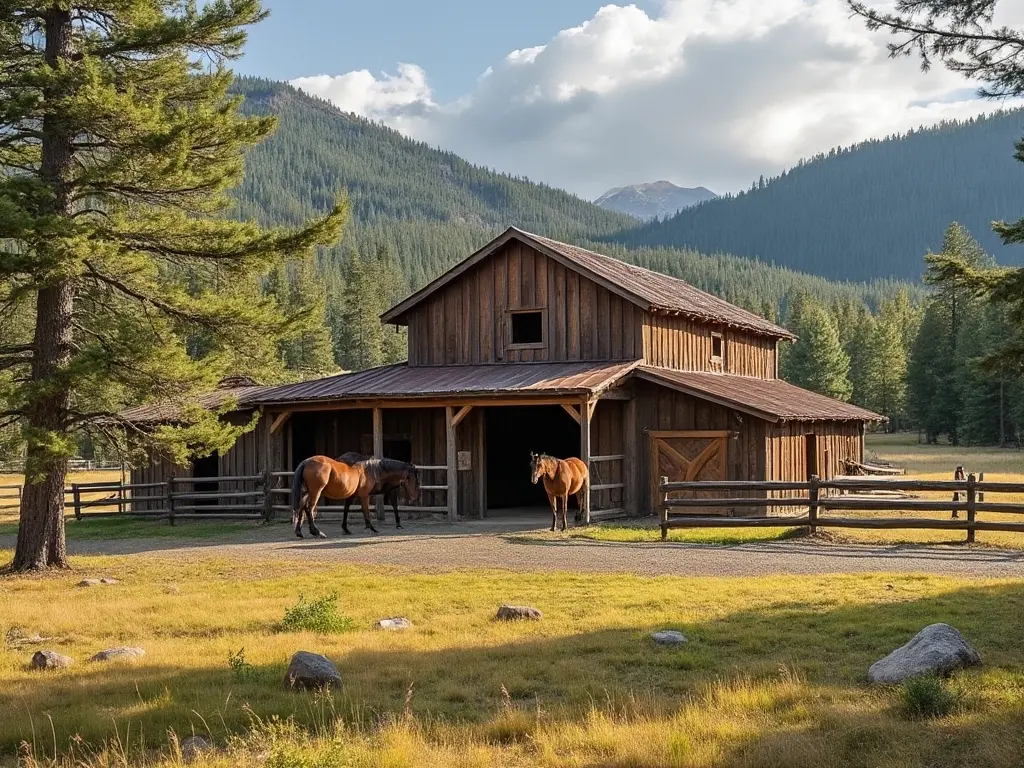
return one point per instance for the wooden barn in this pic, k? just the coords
(530, 344)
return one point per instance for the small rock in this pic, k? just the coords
(515, 612)
(668, 637)
(936, 650)
(51, 660)
(119, 654)
(89, 583)
(193, 747)
(311, 671)
(109, 581)
(395, 623)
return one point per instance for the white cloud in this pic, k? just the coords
(709, 92)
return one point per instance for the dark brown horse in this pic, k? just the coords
(391, 479)
(562, 477)
(323, 476)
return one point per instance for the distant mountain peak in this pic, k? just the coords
(654, 198)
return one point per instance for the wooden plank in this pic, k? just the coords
(631, 469)
(602, 326)
(453, 470)
(571, 410)
(279, 421)
(378, 451)
(500, 304)
(557, 311)
(485, 278)
(527, 265)
(585, 413)
(572, 293)
(615, 326)
(481, 463)
(463, 413)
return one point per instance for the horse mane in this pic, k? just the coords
(377, 468)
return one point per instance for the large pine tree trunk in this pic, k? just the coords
(41, 529)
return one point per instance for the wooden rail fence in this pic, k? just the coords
(821, 497)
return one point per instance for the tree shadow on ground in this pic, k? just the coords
(818, 705)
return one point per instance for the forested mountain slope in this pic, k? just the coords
(432, 208)
(867, 211)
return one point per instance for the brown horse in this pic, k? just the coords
(562, 477)
(323, 476)
(390, 480)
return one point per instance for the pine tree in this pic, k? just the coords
(927, 375)
(118, 140)
(357, 329)
(817, 360)
(885, 376)
(306, 346)
(859, 346)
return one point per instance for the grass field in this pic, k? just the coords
(922, 462)
(773, 675)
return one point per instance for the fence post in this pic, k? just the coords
(78, 500)
(981, 479)
(664, 507)
(170, 498)
(812, 507)
(971, 494)
(268, 497)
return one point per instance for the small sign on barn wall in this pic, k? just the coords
(465, 460)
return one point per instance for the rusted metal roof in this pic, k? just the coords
(650, 290)
(170, 410)
(404, 382)
(770, 399)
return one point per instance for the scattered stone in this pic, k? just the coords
(89, 583)
(109, 581)
(123, 653)
(51, 660)
(516, 612)
(938, 649)
(193, 747)
(394, 624)
(311, 671)
(668, 637)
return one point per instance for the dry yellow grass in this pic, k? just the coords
(773, 675)
(9, 507)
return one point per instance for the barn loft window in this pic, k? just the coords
(527, 328)
(717, 347)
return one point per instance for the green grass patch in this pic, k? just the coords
(318, 615)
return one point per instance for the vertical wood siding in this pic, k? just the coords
(836, 441)
(675, 342)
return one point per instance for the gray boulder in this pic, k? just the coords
(122, 653)
(518, 612)
(311, 671)
(396, 623)
(668, 637)
(51, 660)
(193, 747)
(109, 581)
(936, 650)
(89, 583)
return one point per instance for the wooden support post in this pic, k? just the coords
(169, 483)
(452, 462)
(981, 479)
(481, 464)
(76, 494)
(663, 507)
(585, 413)
(463, 413)
(971, 499)
(630, 463)
(378, 451)
(268, 496)
(812, 508)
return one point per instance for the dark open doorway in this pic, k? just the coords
(512, 433)
(304, 430)
(207, 466)
(811, 447)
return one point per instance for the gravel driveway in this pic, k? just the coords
(522, 546)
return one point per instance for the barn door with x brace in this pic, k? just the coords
(689, 455)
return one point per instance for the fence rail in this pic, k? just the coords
(821, 497)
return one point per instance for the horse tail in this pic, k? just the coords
(297, 484)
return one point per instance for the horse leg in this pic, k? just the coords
(553, 501)
(565, 511)
(344, 517)
(297, 516)
(314, 499)
(365, 501)
(394, 505)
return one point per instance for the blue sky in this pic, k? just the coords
(453, 40)
(587, 96)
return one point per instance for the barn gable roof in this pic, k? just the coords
(768, 399)
(647, 289)
(231, 388)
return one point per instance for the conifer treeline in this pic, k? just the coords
(926, 365)
(865, 211)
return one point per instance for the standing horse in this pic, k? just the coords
(323, 476)
(391, 477)
(562, 477)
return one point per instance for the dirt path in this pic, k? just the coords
(521, 547)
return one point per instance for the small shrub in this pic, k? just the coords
(926, 696)
(240, 668)
(320, 615)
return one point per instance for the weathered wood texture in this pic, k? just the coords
(659, 408)
(467, 322)
(834, 441)
(686, 345)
